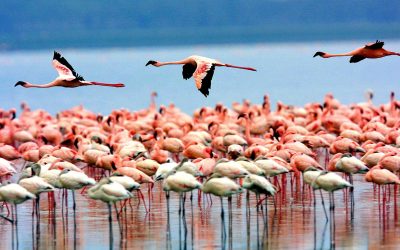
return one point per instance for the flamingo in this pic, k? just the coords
(250, 166)
(370, 50)
(164, 170)
(181, 182)
(231, 169)
(201, 68)
(16, 194)
(74, 180)
(36, 185)
(109, 192)
(235, 151)
(222, 187)
(67, 78)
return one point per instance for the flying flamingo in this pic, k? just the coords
(201, 68)
(67, 78)
(371, 50)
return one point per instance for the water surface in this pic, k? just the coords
(293, 223)
(287, 72)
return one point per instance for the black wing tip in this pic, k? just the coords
(56, 55)
(356, 59)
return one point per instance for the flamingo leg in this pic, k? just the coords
(323, 204)
(351, 197)
(110, 225)
(73, 199)
(144, 203)
(5, 217)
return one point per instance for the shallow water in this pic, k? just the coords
(286, 71)
(294, 223)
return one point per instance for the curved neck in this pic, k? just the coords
(247, 131)
(160, 134)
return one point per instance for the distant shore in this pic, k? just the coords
(198, 36)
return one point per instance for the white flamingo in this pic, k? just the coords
(67, 78)
(74, 180)
(15, 194)
(201, 68)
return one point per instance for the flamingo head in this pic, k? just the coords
(319, 53)
(152, 62)
(23, 84)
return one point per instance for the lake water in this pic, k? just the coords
(286, 71)
(294, 223)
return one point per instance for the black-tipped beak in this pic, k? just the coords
(151, 62)
(319, 53)
(113, 166)
(242, 115)
(20, 83)
(360, 150)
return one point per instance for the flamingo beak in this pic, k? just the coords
(152, 62)
(20, 83)
(319, 53)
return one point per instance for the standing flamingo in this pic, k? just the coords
(201, 68)
(330, 182)
(67, 78)
(16, 194)
(371, 50)
(74, 180)
(109, 192)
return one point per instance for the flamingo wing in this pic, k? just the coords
(355, 59)
(188, 70)
(203, 76)
(377, 45)
(64, 69)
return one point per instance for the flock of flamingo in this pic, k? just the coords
(220, 151)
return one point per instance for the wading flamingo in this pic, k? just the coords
(67, 78)
(109, 192)
(201, 68)
(371, 50)
(15, 194)
(330, 182)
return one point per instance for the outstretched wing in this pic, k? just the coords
(63, 68)
(203, 76)
(355, 59)
(188, 70)
(377, 45)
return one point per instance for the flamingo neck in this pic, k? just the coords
(247, 131)
(30, 85)
(327, 55)
(161, 136)
(391, 53)
(173, 62)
